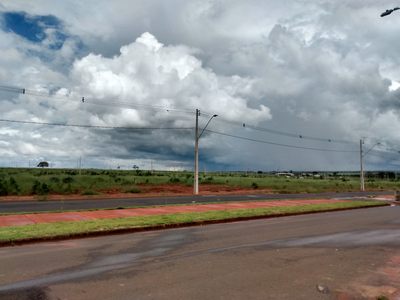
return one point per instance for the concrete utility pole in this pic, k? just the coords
(196, 156)
(361, 162)
(196, 151)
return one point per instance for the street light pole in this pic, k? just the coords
(196, 156)
(389, 11)
(361, 162)
(362, 171)
(196, 151)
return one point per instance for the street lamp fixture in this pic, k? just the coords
(389, 11)
(361, 162)
(196, 152)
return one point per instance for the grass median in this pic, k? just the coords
(97, 226)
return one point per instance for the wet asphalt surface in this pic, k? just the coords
(10, 207)
(352, 254)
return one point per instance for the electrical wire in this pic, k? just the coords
(103, 127)
(114, 103)
(111, 103)
(172, 128)
(282, 133)
(121, 104)
(385, 157)
(278, 144)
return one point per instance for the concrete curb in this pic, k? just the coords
(126, 230)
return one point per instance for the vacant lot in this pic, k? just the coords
(44, 182)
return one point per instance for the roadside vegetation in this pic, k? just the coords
(13, 233)
(42, 182)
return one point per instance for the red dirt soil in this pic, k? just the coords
(148, 191)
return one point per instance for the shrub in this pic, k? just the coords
(90, 193)
(40, 189)
(254, 185)
(3, 188)
(133, 191)
(36, 187)
(54, 179)
(45, 189)
(13, 186)
(174, 180)
(67, 179)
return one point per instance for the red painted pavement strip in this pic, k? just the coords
(99, 214)
(15, 220)
(56, 217)
(386, 197)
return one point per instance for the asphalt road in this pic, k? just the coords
(346, 255)
(10, 207)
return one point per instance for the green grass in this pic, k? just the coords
(79, 227)
(42, 182)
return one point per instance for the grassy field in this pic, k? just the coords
(80, 227)
(35, 181)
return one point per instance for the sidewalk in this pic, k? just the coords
(27, 219)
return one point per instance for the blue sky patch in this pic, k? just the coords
(33, 27)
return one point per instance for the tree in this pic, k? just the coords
(135, 167)
(43, 164)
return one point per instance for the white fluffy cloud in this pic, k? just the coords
(147, 72)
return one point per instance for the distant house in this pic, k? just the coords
(286, 174)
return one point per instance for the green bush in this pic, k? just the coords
(40, 189)
(13, 187)
(133, 191)
(45, 189)
(67, 179)
(3, 188)
(174, 180)
(36, 187)
(85, 193)
(54, 179)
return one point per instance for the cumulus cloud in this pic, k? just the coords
(149, 73)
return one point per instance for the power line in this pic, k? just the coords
(172, 128)
(385, 157)
(103, 127)
(121, 104)
(277, 144)
(82, 99)
(293, 135)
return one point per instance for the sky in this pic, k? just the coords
(295, 84)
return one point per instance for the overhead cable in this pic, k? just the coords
(301, 136)
(385, 157)
(278, 144)
(104, 102)
(103, 127)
